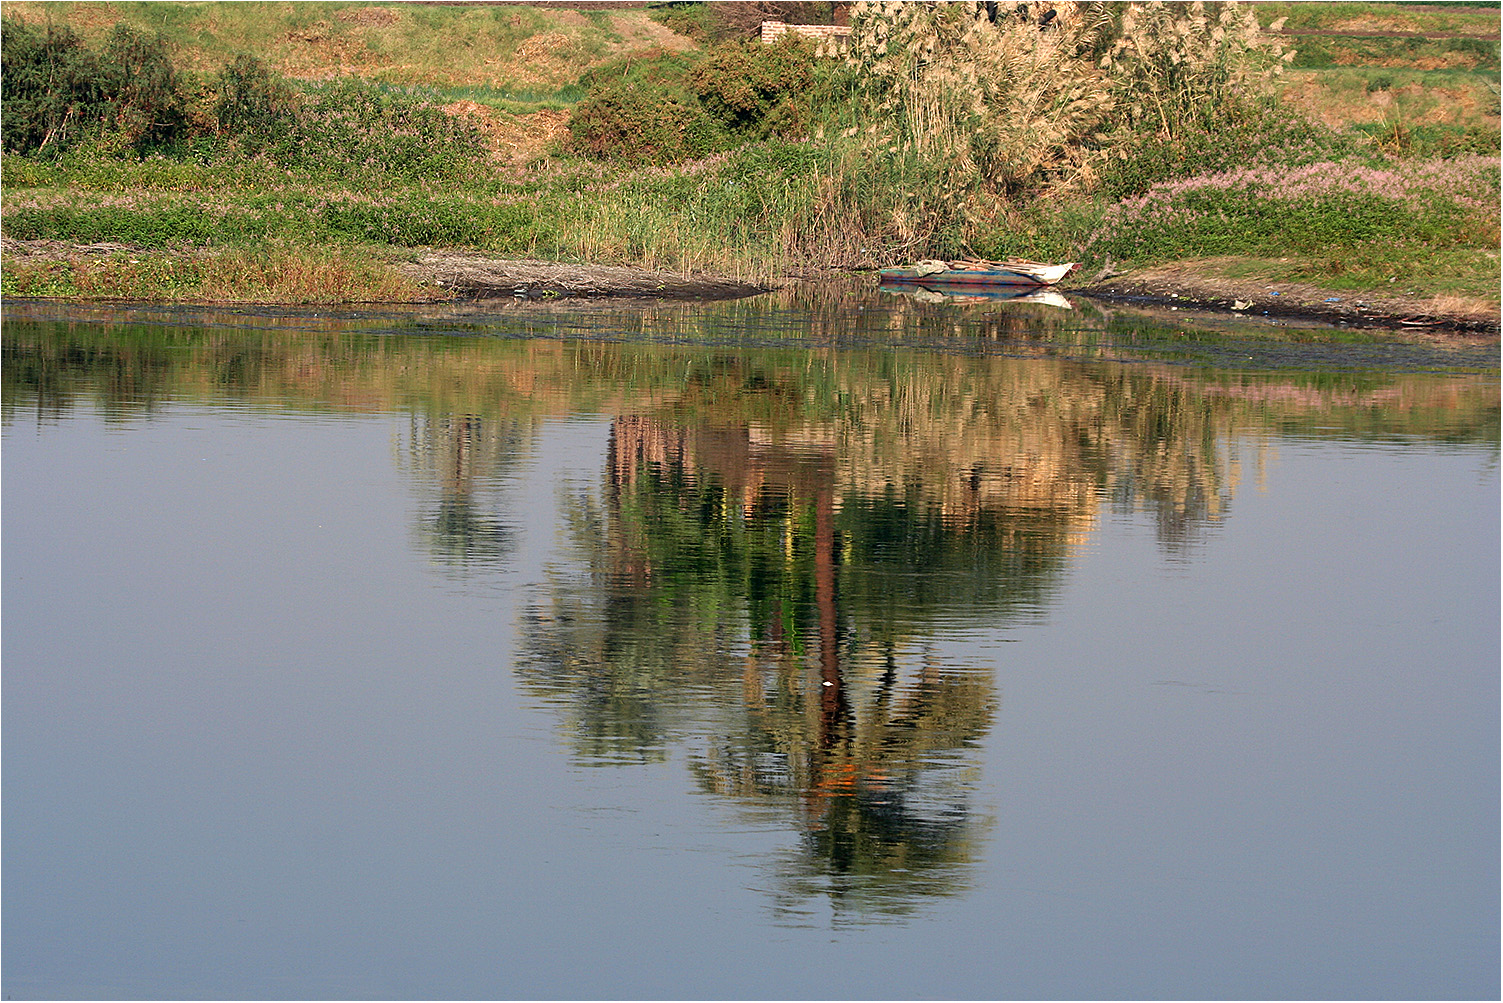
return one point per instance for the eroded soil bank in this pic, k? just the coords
(1192, 284)
(473, 275)
(441, 274)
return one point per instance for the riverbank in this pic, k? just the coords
(1252, 288)
(377, 181)
(466, 274)
(1230, 286)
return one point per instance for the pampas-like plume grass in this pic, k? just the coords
(1177, 65)
(1024, 102)
(1004, 103)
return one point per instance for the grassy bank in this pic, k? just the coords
(1370, 164)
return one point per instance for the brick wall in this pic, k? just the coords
(832, 37)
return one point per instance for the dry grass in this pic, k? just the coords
(482, 45)
(1341, 98)
(275, 275)
(515, 140)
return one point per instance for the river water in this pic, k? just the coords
(826, 644)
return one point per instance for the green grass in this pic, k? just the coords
(274, 272)
(440, 45)
(1466, 272)
(1479, 19)
(1453, 94)
(373, 168)
(1324, 51)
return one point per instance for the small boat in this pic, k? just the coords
(976, 273)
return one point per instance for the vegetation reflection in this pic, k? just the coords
(723, 569)
(456, 455)
(781, 541)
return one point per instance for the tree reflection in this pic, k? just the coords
(764, 577)
(458, 454)
(724, 555)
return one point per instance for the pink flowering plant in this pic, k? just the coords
(1312, 209)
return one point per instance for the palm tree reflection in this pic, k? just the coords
(461, 455)
(716, 590)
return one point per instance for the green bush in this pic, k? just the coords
(353, 128)
(57, 92)
(627, 122)
(756, 90)
(146, 103)
(254, 105)
(51, 87)
(671, 107)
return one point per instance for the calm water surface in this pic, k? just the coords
(813, 645)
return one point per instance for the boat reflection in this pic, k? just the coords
(1034, 295)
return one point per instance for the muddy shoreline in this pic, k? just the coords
(479, 277)
(452, 274)
(1180, 287)
(1167, 287)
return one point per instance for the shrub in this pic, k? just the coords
(757, 90)
(350, 127)
(51, 89)
(57, 92)
(630, 123)
(254, 104)
(670, 107)
(642, 110)
(146, 103)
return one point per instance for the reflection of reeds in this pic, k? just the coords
(976, 434)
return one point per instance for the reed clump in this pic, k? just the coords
(1001, 103)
